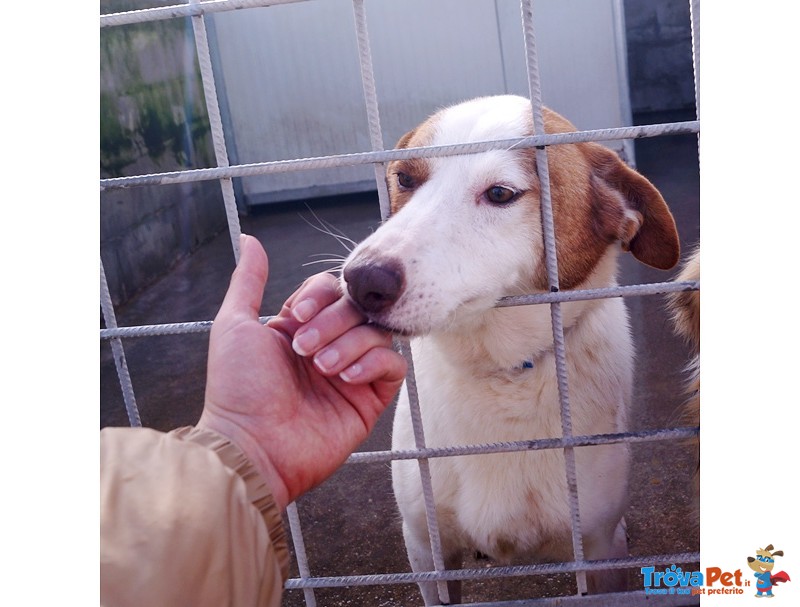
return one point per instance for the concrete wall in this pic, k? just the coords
(153, 119)
(659, 39)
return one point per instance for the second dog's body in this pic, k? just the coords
(466, 231)
(685, 309)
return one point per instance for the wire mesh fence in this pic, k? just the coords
(224, 172)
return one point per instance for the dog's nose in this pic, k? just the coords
(375, 286)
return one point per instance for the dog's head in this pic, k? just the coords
(764, 559)
(466, 230)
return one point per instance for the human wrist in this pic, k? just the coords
(259, 492)
(252, 451)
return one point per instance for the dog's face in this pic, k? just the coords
(764, 559)
(466, 230)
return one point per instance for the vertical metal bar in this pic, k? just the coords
(224, 108)
(107, 308)
(217, 133)
(424, 472)
(371, 101)
(500, 46)
(376, 140)
(300, 551)
(694, 14)
(621, 48)
(534, 86)
(694, 18)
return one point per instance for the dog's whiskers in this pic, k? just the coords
(336, 265)
(330, 230)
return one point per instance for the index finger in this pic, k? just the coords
(315, 294)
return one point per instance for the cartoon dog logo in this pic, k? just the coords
(763, 564)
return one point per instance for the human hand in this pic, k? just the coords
(297, 411)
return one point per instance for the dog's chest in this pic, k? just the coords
(513, 505)
(509, 504)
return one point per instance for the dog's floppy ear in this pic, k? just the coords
(645, 225)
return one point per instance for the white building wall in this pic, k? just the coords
(293, 87)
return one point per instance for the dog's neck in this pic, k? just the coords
(512, 339)
(515, 338)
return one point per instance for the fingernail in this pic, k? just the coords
(305, 342)
(326, 359)
(305, 310)
(351, 373)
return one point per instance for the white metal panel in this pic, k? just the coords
(291, 75)
(293, 87)
(429, 54)
(582, 60)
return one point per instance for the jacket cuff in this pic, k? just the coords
(258, 492)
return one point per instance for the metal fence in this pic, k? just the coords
(224, 173)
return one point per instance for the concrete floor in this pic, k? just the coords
(350, 523)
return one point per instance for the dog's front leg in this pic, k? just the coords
(420, 557)
(604, 547)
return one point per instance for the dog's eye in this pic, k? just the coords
(405, 180)
(500, 195)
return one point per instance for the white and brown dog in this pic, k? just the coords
(466, 231)
(684, 307)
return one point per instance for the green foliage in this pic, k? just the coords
(116, 142)
(153, 117)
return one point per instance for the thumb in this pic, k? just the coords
(246, 289)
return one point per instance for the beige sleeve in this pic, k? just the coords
(186, 520)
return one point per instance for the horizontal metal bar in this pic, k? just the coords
(360, 158)
(491, 572)
(515, 300)
(588, 440)
(184, 10)
(655, 288)
(176, 328)
(637, 597)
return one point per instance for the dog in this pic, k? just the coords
(464, 232)
(684, 308)
(763, 563)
